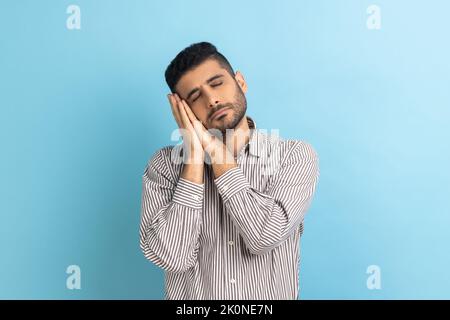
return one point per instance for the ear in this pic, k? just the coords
(241, 81)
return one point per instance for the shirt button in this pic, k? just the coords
(232, 281)
(195, 197)
(225, 188)
(230, 243)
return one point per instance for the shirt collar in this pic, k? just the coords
(257, 143)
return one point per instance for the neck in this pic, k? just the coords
(238, 137)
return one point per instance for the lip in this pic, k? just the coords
(219, 112)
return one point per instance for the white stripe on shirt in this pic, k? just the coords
(236, 236)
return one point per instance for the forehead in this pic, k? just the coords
(198, 76)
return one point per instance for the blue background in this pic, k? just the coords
(81, 112)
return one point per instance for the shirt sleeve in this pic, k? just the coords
(170, 217)
(266, 219)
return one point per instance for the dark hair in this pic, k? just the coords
(190, 58)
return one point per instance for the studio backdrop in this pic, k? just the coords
(83, 107)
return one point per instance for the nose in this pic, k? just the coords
(212, 103)
(212, 100)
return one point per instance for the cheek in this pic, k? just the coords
(231, 92)
(200, 113)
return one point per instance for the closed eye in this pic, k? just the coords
(196, 97)
(212, 85)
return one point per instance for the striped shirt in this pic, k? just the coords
(236, 236)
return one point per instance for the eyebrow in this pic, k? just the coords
(207, 81)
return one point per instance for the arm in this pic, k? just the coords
(170, 217)
(265, 220)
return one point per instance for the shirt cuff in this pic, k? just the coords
(231, 182)
(188, 193)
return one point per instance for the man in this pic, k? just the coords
(226, 221)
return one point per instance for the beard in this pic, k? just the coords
(237, 110)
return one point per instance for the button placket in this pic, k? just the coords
(232, 278)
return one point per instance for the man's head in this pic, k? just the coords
(204, 78)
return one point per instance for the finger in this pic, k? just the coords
(175, 110)
(204, 136)
(177, 97)
(183, 111)
(184, 116)
(189, 112)
(198, 126)
(192, 116)
(178, 104)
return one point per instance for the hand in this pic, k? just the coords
(212, 145)
(191, 142)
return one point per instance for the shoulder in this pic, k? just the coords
(302, 158)
(290, 150)
(160, 155)
(165, 160)
(167, 152)
(301, 150)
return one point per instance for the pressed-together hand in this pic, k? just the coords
(192, 144)
(198, 140)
